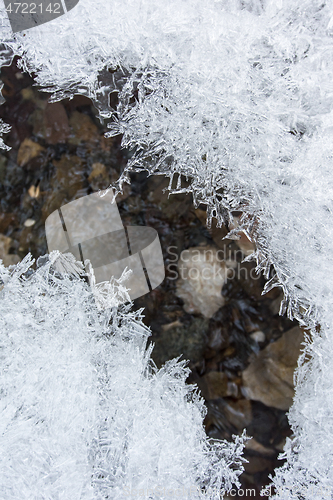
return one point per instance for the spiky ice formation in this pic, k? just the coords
(84, 413)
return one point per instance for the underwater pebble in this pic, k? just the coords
(253, 445)
(202, 274)
(258, 336)
(34, 191)
(269, 377)
(27, 151)
(7, 259)
(215, 385)
(56, 126)
(29, 222)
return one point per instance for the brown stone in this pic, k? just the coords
(84, 129)
(258, 464)
(5, 242)
(8, 259)
(98, 169)
(239, 413)
(68, 183)
(215, 385)
(217, 233)
(70, 171)
(269, 377)
(56, 126)
(102, 177)
(34, 191)
(27, 151)
(253, 445)
(6, 219)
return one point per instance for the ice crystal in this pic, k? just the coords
(84, 412)
(4, 129)
(308, 472)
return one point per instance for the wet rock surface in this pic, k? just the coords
(7, 258)
(269, 377)
(237, 346)
(202, 276)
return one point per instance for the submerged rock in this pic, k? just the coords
(7, 259)
(187, 340)
(202, 273)
(214, 385)
(56, 126)
(84, 130)
(269, 377)
(27, 151)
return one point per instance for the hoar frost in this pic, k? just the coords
(236, 97)
(84, 412)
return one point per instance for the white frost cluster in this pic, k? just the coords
(84, 413)
(308, 472)
(4, 128)
(237, 97)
